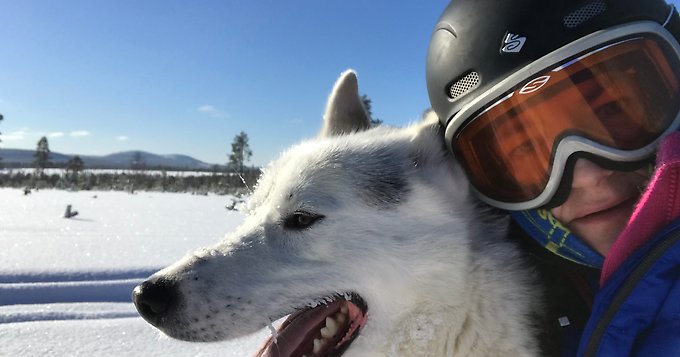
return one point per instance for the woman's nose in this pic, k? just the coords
(588, 174)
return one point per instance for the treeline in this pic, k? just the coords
(195, 182)
(65, 165)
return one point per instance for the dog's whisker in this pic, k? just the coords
(275, 334)
(244, 183)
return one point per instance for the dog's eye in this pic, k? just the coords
(300, 220)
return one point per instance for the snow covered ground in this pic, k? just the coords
(62, 172)
(65, 284)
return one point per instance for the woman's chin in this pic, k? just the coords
(600, 230)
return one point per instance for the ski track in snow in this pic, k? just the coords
(47, 277)
(65, 311)
(59, 288)
(49, 288)
(67, 291)
(77, 296)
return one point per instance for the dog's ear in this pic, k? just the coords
(345, 112)
(429, 130)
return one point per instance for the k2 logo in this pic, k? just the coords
(513, 43)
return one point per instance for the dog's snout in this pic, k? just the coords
(155, 299)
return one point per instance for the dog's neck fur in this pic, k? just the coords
(487, 310)
(474, 326)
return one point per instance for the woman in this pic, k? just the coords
(565, 113)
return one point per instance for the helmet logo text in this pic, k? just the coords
(534, 85)
(513, 43)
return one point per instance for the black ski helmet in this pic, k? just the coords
(473, 46)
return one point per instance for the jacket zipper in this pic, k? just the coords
(634, 278)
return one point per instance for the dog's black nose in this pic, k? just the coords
(155, 299)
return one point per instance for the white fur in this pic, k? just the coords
(432, 266)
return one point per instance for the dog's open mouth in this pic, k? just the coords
(325, 329)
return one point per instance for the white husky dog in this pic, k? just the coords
(370, 240)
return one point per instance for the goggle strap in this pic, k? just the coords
(672, 23)
(670, 15)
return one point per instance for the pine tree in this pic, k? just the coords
(1, 118)
(74, 167)
(366, 101)
(240, 152)
(42, 156)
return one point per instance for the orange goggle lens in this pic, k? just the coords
(622, 96)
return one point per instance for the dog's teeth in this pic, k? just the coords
(331, 328)
(326, 333)
(344, 310)
(331, 324)
(317, 346)
(340, 318)
(313, 304)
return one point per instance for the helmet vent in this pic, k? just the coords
(464, 84)
(584, 13)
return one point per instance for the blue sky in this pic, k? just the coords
(97, 77)
(172, 77)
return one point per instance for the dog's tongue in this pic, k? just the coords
(658, 206)
(298, 333)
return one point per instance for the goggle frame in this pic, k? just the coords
(569, 145)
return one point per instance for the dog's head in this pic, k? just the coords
(343, 232)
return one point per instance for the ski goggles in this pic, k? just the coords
(610, 96)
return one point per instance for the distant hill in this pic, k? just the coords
(120, 160)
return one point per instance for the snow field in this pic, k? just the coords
(65, 284)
